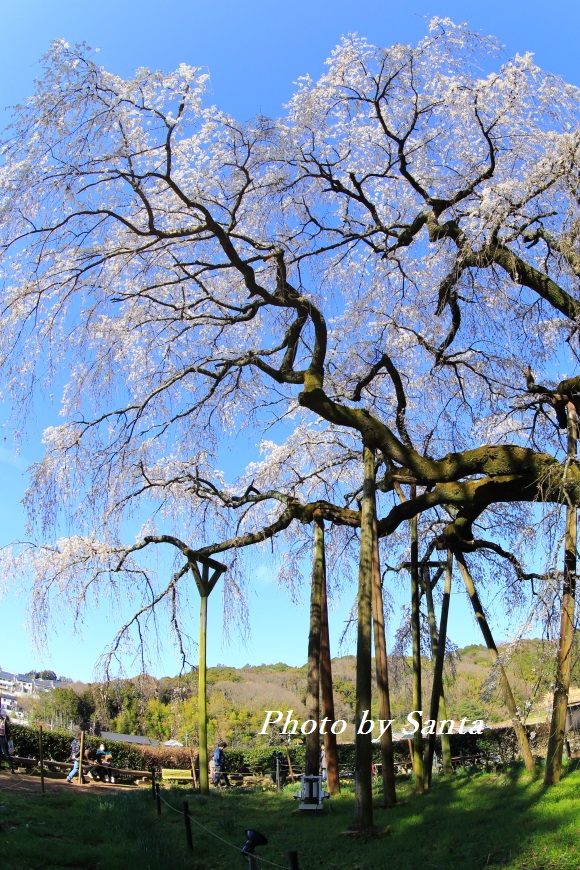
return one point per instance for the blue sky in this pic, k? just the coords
(253, 51)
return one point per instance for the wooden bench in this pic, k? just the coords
(28, 763)
(400, 767)
(60, 767)
(65, 767)
(250, 778)
(49, 765)
(52, 766)
(122, 773)
(480, 759)
(170, 774)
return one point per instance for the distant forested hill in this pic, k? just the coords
(238, 697)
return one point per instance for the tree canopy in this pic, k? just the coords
(392, 264)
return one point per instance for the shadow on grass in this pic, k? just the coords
(92, 832)
(464, 822)
(507, 819)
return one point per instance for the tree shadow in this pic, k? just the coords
(472, 821)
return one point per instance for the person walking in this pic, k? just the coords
(219, 761)
(323, 763)
(75, 756)
(4, 738)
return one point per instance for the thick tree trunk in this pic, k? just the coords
(363, 818)
(382, 671)
(312, 767)
(438, 641)
(567, 615)
(445, 741)
(333, 781)
(508, 697)
(418, 767)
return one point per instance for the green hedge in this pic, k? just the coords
(500, 742)
(131, 756)
(56, 745)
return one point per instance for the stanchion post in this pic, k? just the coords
(153, 783)
(187, 824)
(41, 758)
(158, 796)
(293, 861)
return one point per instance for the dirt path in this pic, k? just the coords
(30, 784)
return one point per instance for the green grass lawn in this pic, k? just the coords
(464, 822)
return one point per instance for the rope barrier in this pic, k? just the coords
(217, 836)
(15, 786)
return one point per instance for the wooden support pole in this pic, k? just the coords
(417, 753)
(438, 641)
(202, 697)
(193, 773)
(508, 697)
(41, 758)
(567, 615)
(205, 584)
(289, 760)
(418, 767)
(327, 692)
(187, 823)
(312, 766)
(363, 801)
(81, 758)
(445, 741)
(382, 674)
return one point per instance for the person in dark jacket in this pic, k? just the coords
(219, 763)
(75, 755)
(103, 761)
(94, 767)
(4, 738)
(323, 764)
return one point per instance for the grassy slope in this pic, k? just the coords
(464, 823)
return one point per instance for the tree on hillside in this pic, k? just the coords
(375, 270)
(61, 707)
